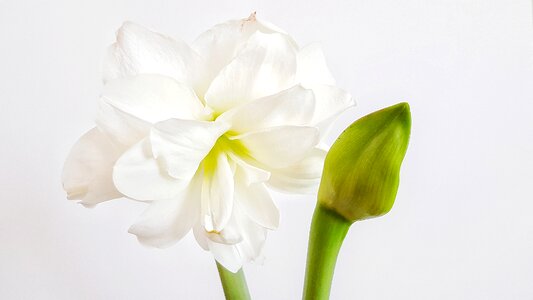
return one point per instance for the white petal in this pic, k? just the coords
(227, 255)
(141, 51)
(122, 128)
(138, 175)
(200, 235)
(253, 236)
(88, 168)
(255, 201)
(312, 67)
(228, 236)
(220, 44)
(250, 248)
(253, 239)
(265, 66)
(217, 192)
(279, 147)
(303, 177)
(166, 221)
(250, 173)
(330, 102)
(294, 106)
(180, 145)
(153, 98)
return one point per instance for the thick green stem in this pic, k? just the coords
(328, 230)
(234, 284)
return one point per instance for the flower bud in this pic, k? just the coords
(362, 169)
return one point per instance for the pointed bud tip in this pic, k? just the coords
(400, 113)
(361, 171)
(402, 106)
(403, 111)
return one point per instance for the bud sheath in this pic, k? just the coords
(362, 169)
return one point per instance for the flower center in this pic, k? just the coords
(224, 144)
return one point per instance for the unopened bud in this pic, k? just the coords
(362, 169)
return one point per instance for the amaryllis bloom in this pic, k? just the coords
(199, 132)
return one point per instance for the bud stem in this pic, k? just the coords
(234, 284)
(328, 230)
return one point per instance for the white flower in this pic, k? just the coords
(199, 132)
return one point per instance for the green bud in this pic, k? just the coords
(362, 169)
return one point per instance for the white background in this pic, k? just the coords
(462, 226)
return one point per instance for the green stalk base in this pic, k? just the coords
(328, 230)
(234, 284)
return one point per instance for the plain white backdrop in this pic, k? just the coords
(462, 225)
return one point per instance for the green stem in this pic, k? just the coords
(234, 284)
(328, 230)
